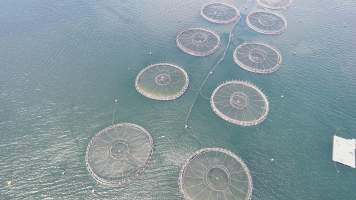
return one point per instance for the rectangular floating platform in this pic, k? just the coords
(344, 151)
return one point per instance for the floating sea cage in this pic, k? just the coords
(118, 154)
(258, 58)
(240, 103)
(266, 22)
(275, 4)
(198, 41)
(162, 81)
(216, 174)
(220, 13)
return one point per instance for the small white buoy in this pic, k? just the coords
(116, 100)
(272, 159)
(282, 96)
(186, 126)
(9, 183)
(92, 191)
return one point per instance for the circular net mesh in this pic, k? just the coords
(220, 13)
(266, 22)
(257, 57)
(198, 41)
(215, 174)
(240, 103)
(119, 153)
(275, 4)
(162, 81)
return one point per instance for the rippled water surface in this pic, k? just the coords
(63, 64)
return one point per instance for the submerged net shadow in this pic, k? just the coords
(216, 174)
(162, 81)
(275, 4)
(257, 57)
(198, 41)
(220, 13)
(266, 22)
(240, 103)
(118, 154)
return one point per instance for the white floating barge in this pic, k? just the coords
(344, 151)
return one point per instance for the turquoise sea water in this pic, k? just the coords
(63, 64)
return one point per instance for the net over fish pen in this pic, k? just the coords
(220, 13)
(266, 22)
(198, 41)
(215, 174)
(118, 154)
(162, 81)
(258, 57)
(275, 4)
(240, 103)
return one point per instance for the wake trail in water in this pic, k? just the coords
(208, 75)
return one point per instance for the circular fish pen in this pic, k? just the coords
(162, 81)
(118, 154)
(220, 13)
(258, 58)
(275, 4)
(240, 103)
(216, 174)
(266, 22)
(198, 41)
